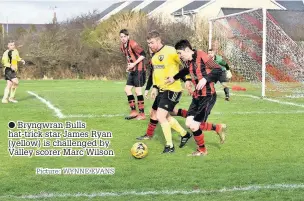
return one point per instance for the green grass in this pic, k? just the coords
(261, 149)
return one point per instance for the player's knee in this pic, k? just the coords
(138, 91)
(160, 117)
(128, 90)
(153, 114)
(194, 127)
(9, 84)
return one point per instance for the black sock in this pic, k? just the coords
(213, 127)
(226, 90)
(131, 101)
(141, 105)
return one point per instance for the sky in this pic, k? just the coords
(40, 12)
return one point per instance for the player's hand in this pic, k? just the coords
(188, 86)
(201, 84)
(146, 94)
(169, 80)
(23, 62)
(228, 74)
(154, 93)
(131, 65)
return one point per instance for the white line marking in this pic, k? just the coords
(164, 192)
(57, 111)
(271, 100)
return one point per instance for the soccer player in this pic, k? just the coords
(204, 73)
(205, 126)
(136, 74)
(165, 62)
(10, 61)
(226, 75)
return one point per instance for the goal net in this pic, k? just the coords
(260, 52)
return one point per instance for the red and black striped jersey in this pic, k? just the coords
(133, 51)
(201, 66)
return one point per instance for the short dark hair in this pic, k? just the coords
(10, 41)
(182, 45)
(210, 49)
(124, 31)
(153, 34)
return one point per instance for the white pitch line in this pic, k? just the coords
(271, 100)
(57, 111)
(164, 192)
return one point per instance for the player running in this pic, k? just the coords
(165, 62)
(204, 73)
(136, 74)
(226, 75)
(10, 61)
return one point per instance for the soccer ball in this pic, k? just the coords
(139, 150)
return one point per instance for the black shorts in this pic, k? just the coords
(223, 77)
(9, 74)
(201, 107)
(166, 100)
(136, 78)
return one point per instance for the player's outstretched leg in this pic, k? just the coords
(7, 91)
(131, 100)
(220, 129)
(206, 126)
(13, 91)
(151, 127)
(185, 136)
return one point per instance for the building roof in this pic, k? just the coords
(292, 5)
(152, 6)
(194, 5)
(290, 21)
(110, 9)
(131, 6)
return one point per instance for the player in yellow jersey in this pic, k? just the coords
(10, 61)
(165, 62)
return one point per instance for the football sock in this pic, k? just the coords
(131, 100)
(6, 93)
(140, 102)
(206, 126)
(182, 113)
(151, 127)
(199, 138)
(176, 126)
(226, 90)
(167, 133)
(13, 92)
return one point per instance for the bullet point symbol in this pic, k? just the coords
(11, 124)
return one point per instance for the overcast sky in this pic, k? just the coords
(36, 12)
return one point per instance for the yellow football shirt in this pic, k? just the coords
(13, 62)
(166, 63)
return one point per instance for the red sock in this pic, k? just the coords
(199, 138)
(151, 127)
(182, 113)
(206, 126)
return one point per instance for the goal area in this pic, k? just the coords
(259, 52)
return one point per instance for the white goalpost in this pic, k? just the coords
(260, 52)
